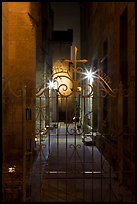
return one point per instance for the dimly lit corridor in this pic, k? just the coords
(73, 174)
(68, 102)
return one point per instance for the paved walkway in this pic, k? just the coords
(72, 172)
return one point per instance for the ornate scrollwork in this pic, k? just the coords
(67, 86)
(8, 86)
(76, 153)
(64, 84)
(69, 81)
(74, 129)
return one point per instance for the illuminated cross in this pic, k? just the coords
(75, 62)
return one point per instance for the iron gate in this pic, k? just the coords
(81, 157)
(70, 170)
(78, 158)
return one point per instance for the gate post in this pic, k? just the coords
(120, 142)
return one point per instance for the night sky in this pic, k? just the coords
(67, 16)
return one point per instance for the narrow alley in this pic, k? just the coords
(73, 172)
(68, 102)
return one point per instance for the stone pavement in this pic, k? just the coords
(73, 172)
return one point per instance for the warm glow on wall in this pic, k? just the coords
(62, 78)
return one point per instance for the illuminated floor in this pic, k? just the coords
(73, 173)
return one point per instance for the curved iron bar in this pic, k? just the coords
(99, 77)
(40, 111)
(63, 87)
(74, 129)
(41, 90)
(107, 89)
(75, 147)
(66, 90)
(91, 91)
(9, 87)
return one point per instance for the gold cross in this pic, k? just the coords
(75, 61)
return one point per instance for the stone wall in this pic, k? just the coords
(100, 21)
